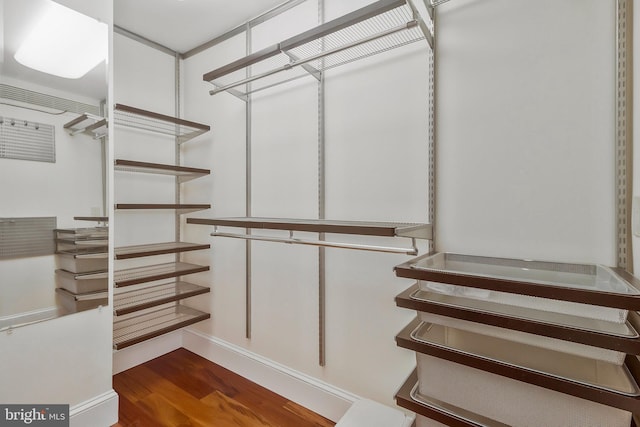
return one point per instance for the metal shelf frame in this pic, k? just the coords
(88, 124)
(138, 251)
(621, 400)
(141, 327)
(142, 308)
(151, 273)
(620, 337)
(182, 173)
(149, 121)
(152, 296)
(363, 228)
(378, 27)
(181, 208)
(521, 286)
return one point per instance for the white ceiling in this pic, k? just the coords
(177, 24)
(182, 25)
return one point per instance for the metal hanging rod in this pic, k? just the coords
(322, 243)
(378, 27)
(302, 62)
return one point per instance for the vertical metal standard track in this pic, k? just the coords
(321, 209)
(103, 152)
(432, 135)
(248, 194)
(624, 132)
(177, 156)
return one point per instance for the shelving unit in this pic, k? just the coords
(381, 26)
(81, 260)
(143, 308)
(478, 312)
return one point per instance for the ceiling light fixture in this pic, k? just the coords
(64, 43)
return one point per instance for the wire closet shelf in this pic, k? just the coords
(379, 27)
(136, 118)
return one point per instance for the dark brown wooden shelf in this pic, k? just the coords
(134, 329)
(134, 276)
(94, 232)
(605, 396)
(627, 300)
(138, 251)
(619, 337)
(94, 126)
(92, 218)
(368, 228)
(437, 410)
(183, 173)
(150, 121)
(126, 302)
(181, 208)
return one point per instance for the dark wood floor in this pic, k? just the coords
(184, 389)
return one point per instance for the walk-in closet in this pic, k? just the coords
(360, 213)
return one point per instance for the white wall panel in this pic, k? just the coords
(223, 151)
(65, 360)
(526, 129)
(144, 78)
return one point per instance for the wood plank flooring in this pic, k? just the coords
(182, 389)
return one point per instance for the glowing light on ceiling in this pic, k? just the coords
(64, 43)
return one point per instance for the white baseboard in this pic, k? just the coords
(318, 396)
(137, 354)
(99, 411)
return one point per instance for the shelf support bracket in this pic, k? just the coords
(242, 96)
(317, 74)
(420, 18)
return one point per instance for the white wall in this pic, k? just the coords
(143, 78)
(376, 148)
(526, 129)
(65, 360)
